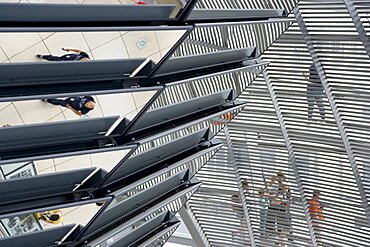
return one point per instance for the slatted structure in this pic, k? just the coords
(287, 5)
(314, 142)
(221, 219)
(363, 11)
(312, 126)
(238, 79)
(359, 11)
(340, 63)
(304, 118)
(211, 38)
(140, 187)
(259, 151)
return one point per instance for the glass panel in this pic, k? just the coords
(177, 4)
(38, 221)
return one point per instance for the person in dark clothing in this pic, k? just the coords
(315, 93)
(79, 55)
(79, 105)
(278, 218)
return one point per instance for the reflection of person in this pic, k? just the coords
(316, 214)
(79, 105)
(237, 207)
(223, 119)
(79, 55)
(315, 93)
(263, 202)
(52, 216)
(278, 220)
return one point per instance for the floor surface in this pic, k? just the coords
(22, 47)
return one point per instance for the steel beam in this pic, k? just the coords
(358, 24)
(292, 157)
(231, 158)
(193, 227)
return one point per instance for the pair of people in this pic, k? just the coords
(278, 219)
(80, 105)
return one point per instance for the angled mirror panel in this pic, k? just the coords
(24, 73)
(64, 12)
(164, 115)
(32, 207)
(43, 219)
(139, 236)
(161, 237)
(215, 122)
(15, 137)
(145, 12)
(193, 163)
(152, 193)
(121, 208)
(234, 14)
(145, 160)
(37, 238)
(94, 61)
(170, 204)
(207, 38)
(106, 160)
(40, 188)
(238, 79)
(60, 182)
(30, 113)
(54, 138)
(53, 108)
(191, 63)
(18, 80)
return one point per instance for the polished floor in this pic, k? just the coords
(22, 47)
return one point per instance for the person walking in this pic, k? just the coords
(315, 93)
(315, 209)
(80, 105)
(78, 55)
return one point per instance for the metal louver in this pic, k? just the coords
(156, 233)
(171, 139)
(206, 38)
(287, 5)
